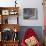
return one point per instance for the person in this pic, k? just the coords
(30, 38)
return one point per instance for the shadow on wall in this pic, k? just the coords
(37, 29)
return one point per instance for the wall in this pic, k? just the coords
(32, 4)
(26, 4)
(7, 3)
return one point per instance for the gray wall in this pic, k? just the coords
(37, 29)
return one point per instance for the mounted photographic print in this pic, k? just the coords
(5, 12)
(30, 13)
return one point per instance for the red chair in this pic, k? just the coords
(29, 33)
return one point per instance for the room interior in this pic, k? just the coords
(17, 16)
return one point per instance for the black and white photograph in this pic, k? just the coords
(30, 13)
